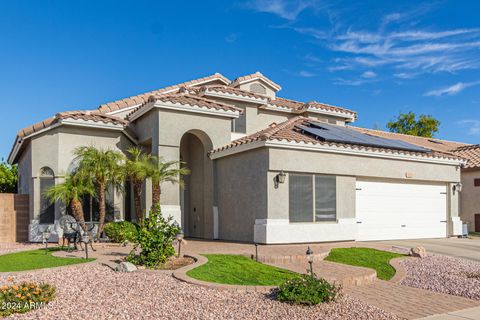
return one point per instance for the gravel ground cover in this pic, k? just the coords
(95, 291)
(442, 274)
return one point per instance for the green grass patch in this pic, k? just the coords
(366, 257)
(239, 270)
(35, 259)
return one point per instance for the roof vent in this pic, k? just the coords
(273, 125)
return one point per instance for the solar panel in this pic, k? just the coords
(333, 133)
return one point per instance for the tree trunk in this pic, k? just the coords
(77, 210)
(156, 192)
(137, 198)
(101, 204)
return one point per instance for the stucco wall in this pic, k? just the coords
(242, 193)
(360, 166)
(347, 168)
(55, 149)
(470, 198)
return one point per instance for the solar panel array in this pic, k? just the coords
(334, 133)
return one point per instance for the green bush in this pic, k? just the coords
(120, 232)
(155, 237)
(307, 290)
(23, 297)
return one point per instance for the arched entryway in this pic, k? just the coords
(197, 195)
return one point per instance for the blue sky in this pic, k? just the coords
(379, 58)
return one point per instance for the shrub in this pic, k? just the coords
(307, 290)
(120, 232)
(23, 297)
(155, 237)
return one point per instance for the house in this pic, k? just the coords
(264, 168)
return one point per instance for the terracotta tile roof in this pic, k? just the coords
(188, 99)
(471, 153)
(77, 115)
(327, 107)
(286, 103)
(300, 107)
(142, 98)
(232, 90)
(429, 143)
(256, 75)
(289, 131)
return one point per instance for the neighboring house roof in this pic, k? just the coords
(255, 76)
(429, 143)
(470, 152)
(142, 98)
(288, 131)
(86, 117)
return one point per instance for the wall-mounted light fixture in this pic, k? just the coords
(280, 178)
(457, 187)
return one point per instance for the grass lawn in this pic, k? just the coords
(239, 270)
(35, 259)
(366, 257)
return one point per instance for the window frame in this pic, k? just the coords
(476, 182)
(314, 200)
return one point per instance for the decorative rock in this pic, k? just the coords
(125, 267)
(418, 252)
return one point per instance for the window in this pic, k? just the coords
(47, 208)
(476, 182)
(312, 198)
(239, 125)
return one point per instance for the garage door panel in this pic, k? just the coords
(389, 210)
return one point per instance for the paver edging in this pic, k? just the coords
(400, 271)
(181, 274)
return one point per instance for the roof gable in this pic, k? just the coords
(254, 77)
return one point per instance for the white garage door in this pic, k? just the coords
(387, 210)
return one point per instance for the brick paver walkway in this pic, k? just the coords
(408, 302)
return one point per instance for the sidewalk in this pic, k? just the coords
(467, 314)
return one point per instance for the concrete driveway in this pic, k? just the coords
(454, 247)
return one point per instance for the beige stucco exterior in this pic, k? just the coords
(234, 196)
(266, 218)
(470, 198)
(55, 149)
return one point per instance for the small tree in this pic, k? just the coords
(138, 169)
(103, 167)
(407, 123)
(165, 171)
(8, 178)
(70, 192)
(155, 237)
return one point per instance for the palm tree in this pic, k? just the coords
(138, 169)
(70, 193)
(103, 167)
(165, 171)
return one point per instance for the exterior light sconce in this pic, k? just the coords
(280, 178)
(457, 187)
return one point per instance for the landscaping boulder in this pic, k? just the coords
(418, 252)
(125, 267)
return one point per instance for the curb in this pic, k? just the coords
(400, 272)
(181, 274)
